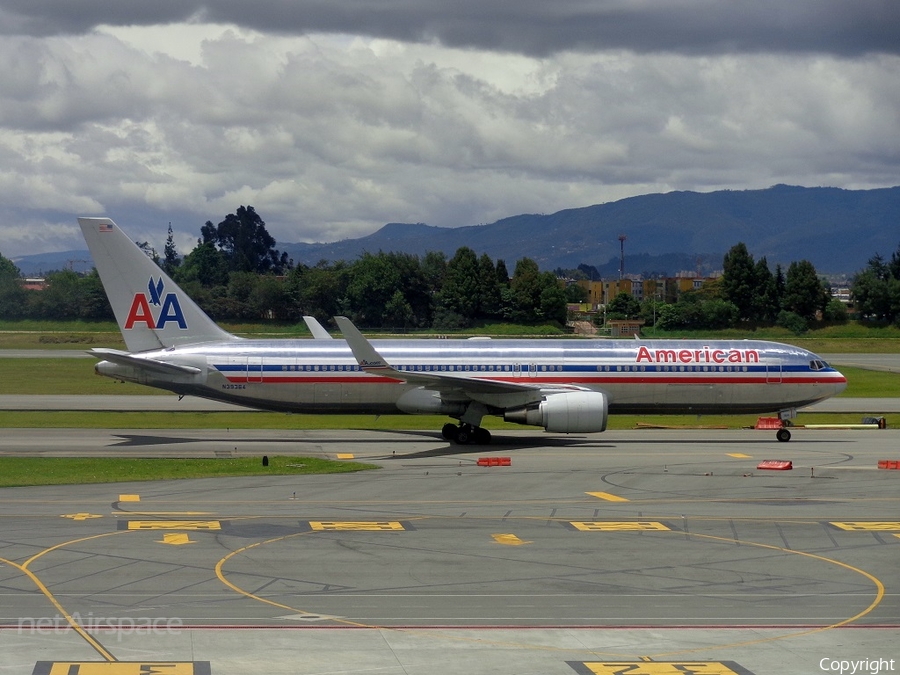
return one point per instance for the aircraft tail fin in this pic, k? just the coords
(151, 310)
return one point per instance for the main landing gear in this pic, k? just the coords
(464, 434)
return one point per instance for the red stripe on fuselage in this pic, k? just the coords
(632, 378)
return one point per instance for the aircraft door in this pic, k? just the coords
(254, 369)
(773, 371)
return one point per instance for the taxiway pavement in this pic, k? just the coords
(659, 551)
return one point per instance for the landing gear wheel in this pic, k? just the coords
(464, 434)
(783, 435)
(482, 436)
(449, 431)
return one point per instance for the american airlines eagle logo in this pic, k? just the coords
(154, 308)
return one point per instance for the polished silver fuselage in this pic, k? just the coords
(646, 376)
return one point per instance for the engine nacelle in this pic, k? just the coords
(568, 412)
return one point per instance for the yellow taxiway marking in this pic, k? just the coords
(660, 668)
(364, 525)
(165, 513)
(120, 668)
(619, 526)
(868, 526)
(345, 455)
(99, 648)
(509, 540)
(607, 496)
(174, 525)
(129, 498)
(176, 539)
(739, 455)
(81, 516)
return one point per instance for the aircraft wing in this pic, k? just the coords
(128, 359)
(500, 393)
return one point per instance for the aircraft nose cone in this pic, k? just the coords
(840, 383)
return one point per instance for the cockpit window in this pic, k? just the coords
(817, 365)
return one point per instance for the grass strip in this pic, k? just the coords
(31, 471)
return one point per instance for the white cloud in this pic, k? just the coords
(331, 136)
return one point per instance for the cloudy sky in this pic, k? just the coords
(334, 117)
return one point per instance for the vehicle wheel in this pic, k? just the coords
(449, 431)
(783, 435)
(482, 436)
(463, 436)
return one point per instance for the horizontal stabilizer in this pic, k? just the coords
(126, 359)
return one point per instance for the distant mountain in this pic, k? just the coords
(837, 230)
(42, 263)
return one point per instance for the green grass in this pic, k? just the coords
(863, 383)
(29, 471)
(61, 376)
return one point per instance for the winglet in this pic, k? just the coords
(363, 351)
(317, 330)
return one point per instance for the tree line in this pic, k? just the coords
(235, 273)
(747, 294)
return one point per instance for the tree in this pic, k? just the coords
(398, 312)
(767, 302)
(372, 283)
(739, 279)
(524, 294)
(12, 295)
(247, 245)
(552, 300)
(206, 265)
(876, 289)
(623, 306)
(488, 288)
(94, 301)
(576, 294)
(319, 291)
(457, 301)
(804, 293)
(269, 299)
(62, 298)
(148, 250)
(171, 260)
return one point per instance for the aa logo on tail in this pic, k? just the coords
(169, 310)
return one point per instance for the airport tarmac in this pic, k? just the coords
(641, 552)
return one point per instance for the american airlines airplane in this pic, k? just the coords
(562, 385)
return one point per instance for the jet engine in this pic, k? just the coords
(567, 412)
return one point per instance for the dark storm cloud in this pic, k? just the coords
(534, 27)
